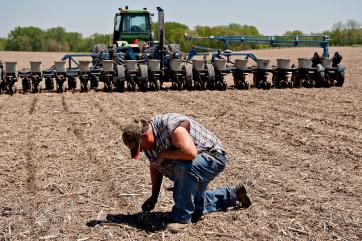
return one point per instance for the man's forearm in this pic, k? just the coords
(156, 179)
(178, 155)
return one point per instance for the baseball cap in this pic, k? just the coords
(132, 137)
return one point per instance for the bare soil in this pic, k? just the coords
(65, 174)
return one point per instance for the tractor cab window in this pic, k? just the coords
(135, 23)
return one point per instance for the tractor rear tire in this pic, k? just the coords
(100, 48)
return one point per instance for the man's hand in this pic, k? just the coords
(149, 204)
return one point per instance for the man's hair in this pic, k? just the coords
(143, 124)
(132, 132)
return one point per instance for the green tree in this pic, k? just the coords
(101, 38)
(349, 33)
(293, 33)
(58, 34)
(57, 39)
(175, 33)
(231, 29)
(74, 41)
(26, 39)
(2, 44)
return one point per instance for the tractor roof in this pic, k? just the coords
(134, 11)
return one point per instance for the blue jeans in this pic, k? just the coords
(190, 192)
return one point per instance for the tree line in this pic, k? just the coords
(52, 40)
(59, 40)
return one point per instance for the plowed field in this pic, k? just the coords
(65, 174)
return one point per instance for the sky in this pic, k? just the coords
(96, 16)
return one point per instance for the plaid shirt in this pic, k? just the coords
(164, 125)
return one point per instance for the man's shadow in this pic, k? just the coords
(150, 222)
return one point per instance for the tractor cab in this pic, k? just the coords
(132, 26)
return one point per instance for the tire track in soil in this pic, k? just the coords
(301, 103)
(322, 131)
(259, 111)
(270, 147)
(272, 168)
(65, 105)
(290, 121)
(128, 103)
(2, 104)
(91, 152)
(297, 152)
(30, 165)
(112, 120)
(77, 132)
(202, 105)
(276, 143)
(296, 145)
(159, 102)
(205, 111)
(112, 106)
(14, 197)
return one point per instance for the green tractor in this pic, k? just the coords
(132, 26)
(141, 62)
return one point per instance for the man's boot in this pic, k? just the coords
(241, 195)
